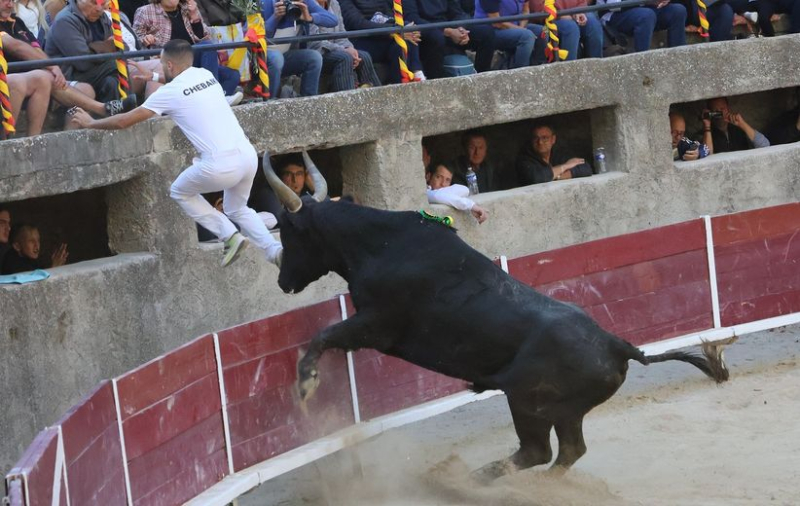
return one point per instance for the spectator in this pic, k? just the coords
(438, 42)
(24, 255)
(539, 162)
(521, 39)
(80, 29)
(292, 171)
(785, 129)
(576, 28)
(730, 131)
(349, 68)
(32, 13)
(641, 22)
(767, 8)
(164, 20)
(477, 150)
(681, 150)
(719, 14)
(291, 60)
(38, 86)
(365, 14)
(5, 230)
(439, 176)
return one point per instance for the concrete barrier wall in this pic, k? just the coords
(98, 319)
(183, 434)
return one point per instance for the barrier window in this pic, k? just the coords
(737, 123)
(516, 154)
(53, 231)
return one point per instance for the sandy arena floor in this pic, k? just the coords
(669, 437)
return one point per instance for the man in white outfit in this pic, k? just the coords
(194, 99)
(439, 177)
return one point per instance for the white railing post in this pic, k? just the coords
(122, 444)
(351, 370)
(223, 398)
(712, 271)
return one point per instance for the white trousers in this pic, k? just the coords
(233, 172)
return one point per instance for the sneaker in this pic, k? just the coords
(235, 98)
(114, 107)
(751, 16)
(419, 76)
(234, 245)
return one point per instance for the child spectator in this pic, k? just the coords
(540, 163)
(24, 255)
(439, 177)
(347, 66)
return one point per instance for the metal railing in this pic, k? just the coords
(22, 66)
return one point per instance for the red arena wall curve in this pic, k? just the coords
(182, 433)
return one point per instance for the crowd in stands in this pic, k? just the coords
(33, 31)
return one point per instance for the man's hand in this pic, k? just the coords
(797, 125)
(142, 74)
(459, 35)
(280, 9)
(148, 40)
(79, 117)
(194, 13)
(354, 53)
(412, 37)
(574, 162)
(706, 120)
(736, 119)
(479, 213)
(662, 3)
(59, 256)
(692, 154)
(305, 15)
(580, 18)
(59, 81)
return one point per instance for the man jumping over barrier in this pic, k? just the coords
(194, 99)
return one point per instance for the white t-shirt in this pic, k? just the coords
(453, 196)
(196, 103)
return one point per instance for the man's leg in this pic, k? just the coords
(274, 71)
(366, 70)
(672, 18)
(638, 22)
(229, 79)
(307, 64)
(432, 53)
(592, 35)
(103, 80)
(34, 86)
(209, 60)
(792, 8)
(234, 203)
(518, 41)
(481, 40)
(378, 49)
(339, 65)
(720, 20)
(569, 33)
(766, 8)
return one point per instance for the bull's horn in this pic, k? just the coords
(285, 194)
(320, 185)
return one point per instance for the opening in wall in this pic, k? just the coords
(510, 155)
(53, 231)
(736, 123)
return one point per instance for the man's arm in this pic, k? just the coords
(118, 122)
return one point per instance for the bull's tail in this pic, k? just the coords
(711, 362)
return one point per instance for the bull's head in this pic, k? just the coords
(303, 250)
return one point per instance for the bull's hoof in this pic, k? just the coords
(307, 382)
(490, 472)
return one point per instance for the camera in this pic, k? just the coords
(292, 11)
(686, 144)
(712, 115)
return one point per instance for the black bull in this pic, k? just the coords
(423, 295)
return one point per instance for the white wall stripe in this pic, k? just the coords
(351, 370)
(504, 263)
(27, 491)
(122, 444)
(223, 397)
(60, 471)
(712, 271)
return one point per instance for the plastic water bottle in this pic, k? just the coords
(600, 160)
(472, 181)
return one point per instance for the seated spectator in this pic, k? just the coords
(37, 87)
(521, 39)
(164, 20)
(576, 28)
(438, 42)
(348, 67)
(719, 15)
(5, 230)
(641, 22)
(365, 14)
(729, 130)
(683, 148)
(785, 129)
(24, 255)
(290, 59)
(80, 29)
(32, 13)
(292, 171)
(539, 162)
(767, 8)
(477, 150)
(439, 176)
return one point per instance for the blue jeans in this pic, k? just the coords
(305, 63)
(226, 77)
(518, 41)
(720, 17)
(641, 22)
(591, 33)
(385, 50)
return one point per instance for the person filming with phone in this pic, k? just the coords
(725, 130)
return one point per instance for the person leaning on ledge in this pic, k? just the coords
(539, 162)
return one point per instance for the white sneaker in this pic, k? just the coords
(751, 16)
(420, 76)
(234, 245)
(235, 98)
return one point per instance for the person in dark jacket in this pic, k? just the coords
(365, 14)
(477, 150)
(436, 43)
(540, 163)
